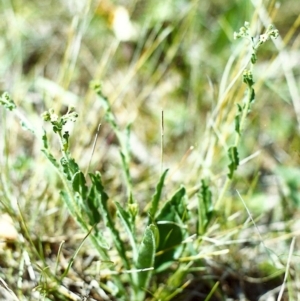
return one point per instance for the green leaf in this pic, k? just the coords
(123, 137)
(174, 284)
(253, 58)
(50, 157)
(248, 78)
(156, 197)
(70, 167)
(45, 140)
(7, 101)
(252, 95)
(108, 219)
(205, 207)
(172, 229)
(65, 141)
(234, 160)
(126, 218)
(145, 259)
(176, 205)
(93, 205)
(79, 184)
(237, 119)
(97, 184)
(66, 198)
(98, 239)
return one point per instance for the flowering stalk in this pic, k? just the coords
(244, 32)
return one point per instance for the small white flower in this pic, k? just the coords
(54, 117)
(263, 37)
(247, 24)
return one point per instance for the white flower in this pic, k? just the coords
(247, 24)
(263, 38)
(54, 117)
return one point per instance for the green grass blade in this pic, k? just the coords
(156, 196)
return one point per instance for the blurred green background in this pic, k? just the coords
(175, 56)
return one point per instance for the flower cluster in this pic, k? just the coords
(244, 31)
(270, 32)
(50, 115)
(57, 122)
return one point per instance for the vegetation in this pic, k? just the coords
(149, 150)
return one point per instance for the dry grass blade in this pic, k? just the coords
(287, 269)
(6, 292)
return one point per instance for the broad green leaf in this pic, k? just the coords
(93, 206)
(97, 184)
(79, 184)
(156, 196)
(145, 259)
(234, 160)
(176, 205)
(172, 229)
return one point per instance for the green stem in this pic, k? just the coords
(236, 144)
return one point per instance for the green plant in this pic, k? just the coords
(162, 243)
(88, 204)
(244, 109)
